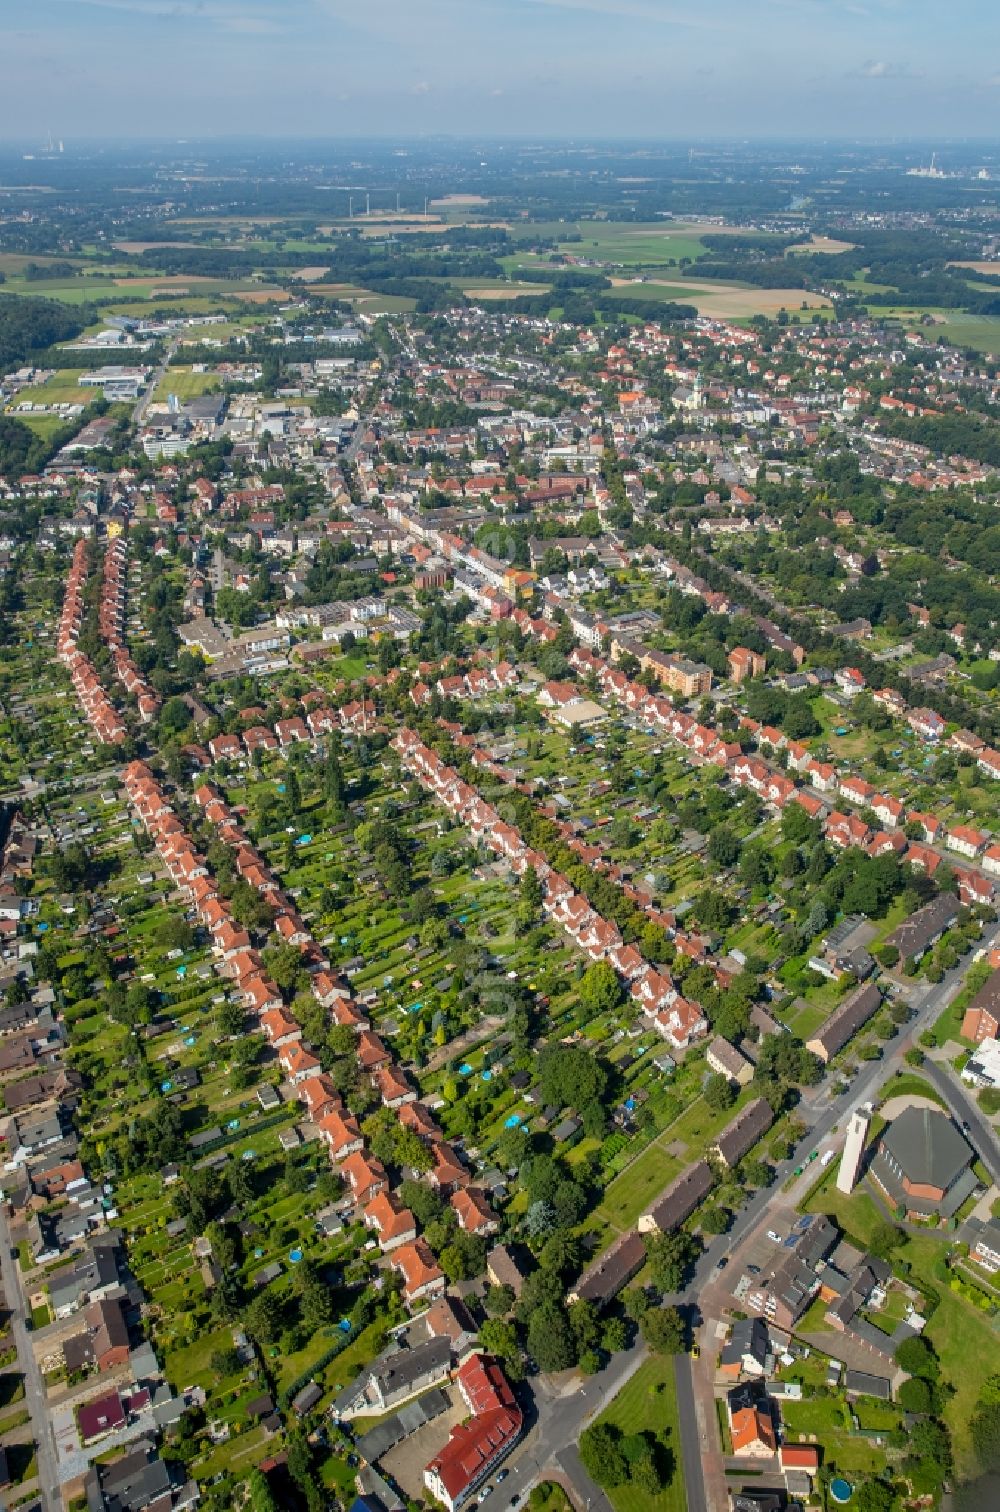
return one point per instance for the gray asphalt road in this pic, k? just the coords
(34, 1387)
(690, 1445)
(146, 397)
(961, 1101)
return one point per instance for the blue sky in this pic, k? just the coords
(649, 68)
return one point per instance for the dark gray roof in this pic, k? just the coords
(679, 1200)
(306, 1398)
(921, 929)
(814, 1238)
(606, 1276)
(372, 1445)
(860, 1383)
(989, 1234)
(749, 1337)
(398, 1371)
(928, 1147)
(845, 1021)
(743, 1132)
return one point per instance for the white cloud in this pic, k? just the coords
(880, 69)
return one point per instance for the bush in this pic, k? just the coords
(989, 1100)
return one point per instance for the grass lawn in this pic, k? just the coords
(634, 1190)
(824, 1417)
(819, 1415)
(43, 425)
(857, 1214)
(967, 1344)
(185, 383)
(905, 1084)
(648, 1403)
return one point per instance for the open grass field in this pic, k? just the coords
(636, 1188)
(649, 1404)
(185, 383)
(62, 388)
(42, 425)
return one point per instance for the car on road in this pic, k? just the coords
(502, 1476)
(720, 1265)
(485, 1492)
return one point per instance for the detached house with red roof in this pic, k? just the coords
(391, 1223)
(475, 1216)
(422, 1276)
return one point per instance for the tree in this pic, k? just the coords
(635, 1301)
(601, 1453)
(600, 987)
(422, 1201)
(585, 1324)
(570, 1076)
(669, 1257)
(985, 1426)
(315, 1300)
(615, 1335)
(712, 910)
(262, 1498)
(723, 846)
(263, 1318)
(797, 826)
(226, 1362)
(719, 1093)
(917, 1358)
(499, 1300)
(530, 893)
(915, 1395)
(500, 1338)
(885, 1239)
(175, 933)
(756, 1173)
(550, 1340)
(663, 1330)
(875, 1496)
(230, 1019)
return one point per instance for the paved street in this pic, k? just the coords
(562, 1415)
(34, 1387)
(146, 398)
(961, 1100)
(697, 1437)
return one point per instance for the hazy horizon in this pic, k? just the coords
(615, 69)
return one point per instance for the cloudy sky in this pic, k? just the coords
(649, 68)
